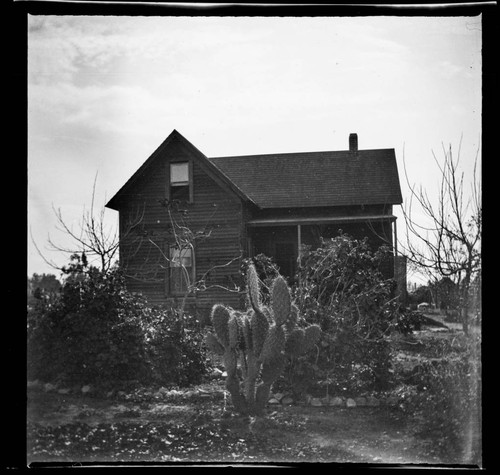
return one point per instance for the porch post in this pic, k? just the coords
(395, 238)
(299, 242)
(395, 252)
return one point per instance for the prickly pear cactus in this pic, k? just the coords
(258, 342)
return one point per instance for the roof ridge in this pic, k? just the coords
(299, 153)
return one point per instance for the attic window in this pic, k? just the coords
(180, 182)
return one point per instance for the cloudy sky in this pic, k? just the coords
(104, 92)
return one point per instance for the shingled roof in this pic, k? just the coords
(295, 180)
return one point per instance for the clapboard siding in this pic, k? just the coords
(216, 211)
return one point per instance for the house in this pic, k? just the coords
(184, 217)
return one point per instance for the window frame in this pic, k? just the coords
(170, 290)
(169, 186)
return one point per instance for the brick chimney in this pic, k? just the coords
(353, 142)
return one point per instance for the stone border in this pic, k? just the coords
(335, 401)
(277, 399)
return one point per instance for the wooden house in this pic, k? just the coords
(188, 218)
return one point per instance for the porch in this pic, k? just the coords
(283, 238)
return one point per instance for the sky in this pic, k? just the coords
(105, 91)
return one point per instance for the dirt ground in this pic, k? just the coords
(194, 427)
(65, 428)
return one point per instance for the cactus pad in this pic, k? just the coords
(260, 327)
(247, 332)
(295, 342)
(281, 301)
(220, 318)
(292, 318)
(253, 288)
(213, 344)
(274, 344)
(232, 325)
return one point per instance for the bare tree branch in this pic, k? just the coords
(91, 237)
(449, 246)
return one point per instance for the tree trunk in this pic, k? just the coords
(465, 303)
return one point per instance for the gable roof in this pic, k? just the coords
(295, 180)
(204, 162)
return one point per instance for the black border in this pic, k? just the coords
(14, 406)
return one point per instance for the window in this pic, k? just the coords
(181, 269)
(180, 182)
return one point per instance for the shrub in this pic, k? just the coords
(176, 351)
(340, 287)
(92, 333)
(446, 398)
(99, 333)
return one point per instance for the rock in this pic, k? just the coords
(86, 389)
(63, 391)
(360, 401)
(49, 387)
(336, 401)
(372, 402)
(350, 402)
(316, 402)
(287, 400)
(273, 400)
(439, 329)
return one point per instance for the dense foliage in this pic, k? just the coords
(340, 287)
(97, 332)
(176, 349)
(42, 287)
(444, 392)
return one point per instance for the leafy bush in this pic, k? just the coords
(342, 289)
(445, 395)
(99, 333)
(176, 350)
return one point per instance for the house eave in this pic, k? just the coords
(319, 220)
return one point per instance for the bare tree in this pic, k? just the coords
(92, 238)
(448, 243)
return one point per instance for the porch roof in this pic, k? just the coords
(319, 220)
